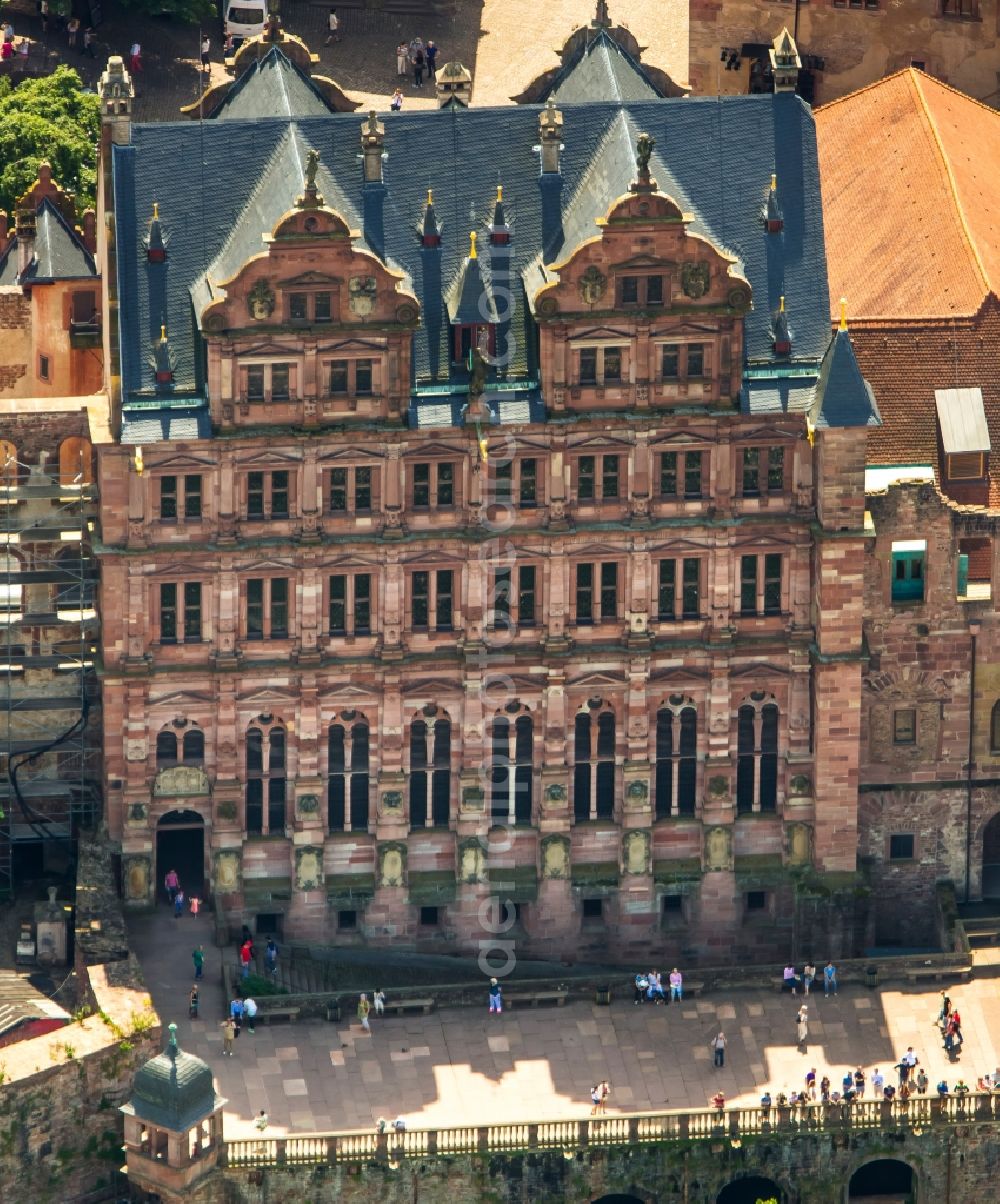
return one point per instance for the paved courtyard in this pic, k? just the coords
(462, 1066)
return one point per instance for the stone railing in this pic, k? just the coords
(704, 1124)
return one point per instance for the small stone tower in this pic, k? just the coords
(117, 93)
(173, 1124)
(453, 85)
(785, 62)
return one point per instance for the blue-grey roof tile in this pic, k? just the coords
(271, 87)
(165, 424)
(59, 253)
(601, 71)
(843, 396)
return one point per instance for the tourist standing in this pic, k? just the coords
(246, 952)
(402, 55)
(811, 1083)
(271, 958)
(418, 68)
(788, 980)
(676, 985)
(72, 29)
(655, 992)
(135, 59)
(172, 884)
(829, 979)
(364, 1007)
(945, 1012)
(250, 1012)
(396, 100)
(802, 1026)
(198, 957)
(808, 977)
(333, 27)
(859, 1083)
(229, 1032)
(496, 998)
(206, 46)
(195, 904)
(193, 1003)
(89, 38)
(431, 54)
(605, 1090)
(236, 1014)
(878, 1082)
(43, 12)
(718, 1044)
(378, 999)
(595, 1098)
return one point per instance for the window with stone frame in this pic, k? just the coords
(763, 470)
(348, 769)
(432, 599)
(352, 490)
(310, 306)
(904, 726)
(594, 769)
(433, 485)
(267, 495)
(511, 765)
(266, 751)
(639, 290)
(683, 361)
(596, 593)
(350, 604)
(180, 498)
(430, 769)
(760, 585)
(267, 608)
(513, 600)
(601, 478)
(180, 743)
(351, 377)
(965, 10)
(513, 482)
(166, 748)
(676, 759)
(604, 364)
(268, 381)
(757, 756)
(180, 612)
(683, 475)
(679, 589)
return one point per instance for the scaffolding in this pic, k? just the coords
(49, 701)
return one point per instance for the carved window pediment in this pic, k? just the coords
(311, 279)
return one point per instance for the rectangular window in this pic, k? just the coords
(691, 588)
(280, 376)
(432, 594)
(255, 608)
(192, 497)
(908, 564)
(654, 290)
(593, 910)
(588, 366)
(168, 613)
(338, 604)
(668, 474)
(772, 583)
(901, 847)
(433, 484)
(363, 377)
(748, 585)
(338, 491)
(681, 475)
(420, 593)
(362, 604)
(586, 483)
(279, 608)
(756, 900)
(775, 469)
(43, 367)
(338, 378)
(446, 485)
(279, 494)
(503, 481)
(693, 474)
(268, 494)
(967, 10)
(670, 362)
(630, 290)
(350, 607)
(609, 477)
(585, 593)
(760, 584)
(528, 482)
(255, 494)
(612, 365)
(904, 726)
(85, 311)
(598, 478)
(499, 601)
(363, 488)
(966, 466)
(751, 472)
(347, 920)
(192, 611)
(168, 499)
(255, 382)
(526, 595)
(685, 604)
(696, 359)
(609, 591)
(298, 307)
(268, 608)
(322, 310)
(430, 917)
(445, 599)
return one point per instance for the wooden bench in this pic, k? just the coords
(692, 988)
(272, 1013)
(936, 973)
(409, 1005)
(534, 998)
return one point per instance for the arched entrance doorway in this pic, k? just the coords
(991, 859)
(180, 846)
(885, 1179)
(751, 1190)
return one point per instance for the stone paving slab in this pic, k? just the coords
(462, 1066)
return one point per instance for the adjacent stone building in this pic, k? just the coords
(482, 541)
(908, 172)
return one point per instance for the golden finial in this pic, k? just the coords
(499, 192)
(138, 461)
(163, 334)
(484, 449)
(472, 244)
(156, 211)
(843, 313)
(430, 196)
(774, 182)
(781, 307)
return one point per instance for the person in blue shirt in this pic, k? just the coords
(829, 979)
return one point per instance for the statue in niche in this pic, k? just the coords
(472, 867)
(717, 849)
(636, 852)
(308, 869)
(392, 866)
(555, 857)
(799, 845)
(137, 878)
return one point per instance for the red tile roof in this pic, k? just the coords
(910, 176)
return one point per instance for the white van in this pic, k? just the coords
(244, 19)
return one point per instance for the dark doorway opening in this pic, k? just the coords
(180, 846)
(750, 1190)
(618, 1199)
(884, 1179)
(991, 859)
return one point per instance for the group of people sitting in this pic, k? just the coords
(649, 987)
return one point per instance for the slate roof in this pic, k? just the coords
(273, 86)
(843, 396)
(714, 156)
(59, 253)
(910, 173)
(165, 423)
(601, 71)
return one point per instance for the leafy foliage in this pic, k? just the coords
(48, 119)
(189, 12)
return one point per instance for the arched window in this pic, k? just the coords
(594, 763)
(347, 781)
(676, 760)
(995, 728)
(756, 758)
(75, 463)
(511, 766)
(77, 570)
(194, 746)
(430, 771)
(265, 781)
(166, 748)
(11, 589)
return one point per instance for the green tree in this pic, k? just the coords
(48, 119)
(190, 12)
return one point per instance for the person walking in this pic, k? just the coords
(246, 952)
(496, 998)
(250, 1012)
(236, 1014)
(72, 29)
(676, 985)
(135, 59)
(171, 882)
(228, 1036)
(178, 904)
(829, 979)
(193, 1003)
(945, 1012)
(364, 1007)
(271, 958)
(378, 999)
(198, 957)
(261, 1122)
(418, 68)
(333, 27)
(430, 54)
(802, 1027)
(195, 904)
(402, 55)
(718, 1045)
(206, 46)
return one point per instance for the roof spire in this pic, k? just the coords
(163, 367)
(472, 245)
(156, 247)
(430, 232)
(843, 314)
(782, 335)
(773, 219)
(499, 229)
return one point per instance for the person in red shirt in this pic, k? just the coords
(246, 952)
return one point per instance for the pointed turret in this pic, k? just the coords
(430, 235)
(774, 222)
(163, 365)
(550, 123)
(156, 248)
(499, 229)
(785, 62)
(782, 335)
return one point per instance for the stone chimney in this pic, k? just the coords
(117, 93)
(550, 123)
(373, 147)
(785, 62)
(89, 227)
(453, 86)
(25, 231)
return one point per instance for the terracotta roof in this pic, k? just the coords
(910, 176)
(905, 363)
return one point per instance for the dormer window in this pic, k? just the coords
(468, 336)
(966, 466)
(964, 441)
(640, 290)
(310, 307)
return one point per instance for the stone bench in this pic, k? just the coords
(272, 1013)
(399, 1006)
(534, 998)
(936, 973)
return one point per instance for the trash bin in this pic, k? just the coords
(603, 995)
(333, 1012)
(871, 977)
